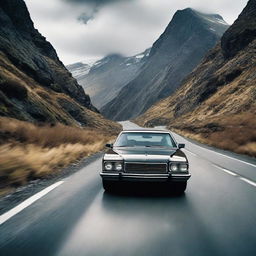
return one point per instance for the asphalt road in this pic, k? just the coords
(216, 215)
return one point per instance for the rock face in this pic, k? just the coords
(108, 76)
(34, 84)
(174, 55)
(217, 101)
(242, 32)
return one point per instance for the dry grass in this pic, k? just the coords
(235, 133)
(46, 136)
(28, 151)
(216, 104)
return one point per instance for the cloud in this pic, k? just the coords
(113, 26)
(94, 2)
(93, 5)
(85, 17)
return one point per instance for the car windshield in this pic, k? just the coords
(145, 139)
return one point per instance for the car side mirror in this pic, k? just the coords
(181, 145)
(109, 145)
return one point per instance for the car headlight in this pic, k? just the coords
(178, 167)
(108, 166)
(118, 166)
(174, 167)
(183, 167)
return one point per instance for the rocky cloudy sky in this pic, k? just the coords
(84, 30)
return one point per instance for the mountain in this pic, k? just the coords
(107, 76)
(34, 84)
(79, 69)
(217, 102)
(181, 47)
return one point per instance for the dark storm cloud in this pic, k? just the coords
(84, 17)
(95, 4)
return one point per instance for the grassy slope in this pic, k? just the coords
(17, 91)
(216, 104)
(58, 124)
(29, 151)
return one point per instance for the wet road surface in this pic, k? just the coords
(216, 215)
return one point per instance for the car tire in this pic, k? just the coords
(108, 185)
(178, 188)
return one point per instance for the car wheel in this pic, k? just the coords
(178, 187)
(108, 185)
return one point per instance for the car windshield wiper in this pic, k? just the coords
(160, 146)
(125, 146)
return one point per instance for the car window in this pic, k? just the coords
(145, 139)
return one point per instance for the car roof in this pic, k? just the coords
(146, 130)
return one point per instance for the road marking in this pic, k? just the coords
(221, 168)
(225, 170)
(4, 217)
(254, 165)
(230, 157)
(248, 181)
(190, 152)
(236, 175)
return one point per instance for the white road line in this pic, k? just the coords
(254, 165)
(236, 175)
(4, 217)
(225, 170)
(190, 152)
(248, 181)
(230, 157)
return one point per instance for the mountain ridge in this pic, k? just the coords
(216, 103)
(107, 76)
(178, 50)
(35, 86)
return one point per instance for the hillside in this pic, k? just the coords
(180, 48)
(217, 101)
(107, 76)
(34, 84)
(46, 120)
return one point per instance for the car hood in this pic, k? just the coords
(140, 154)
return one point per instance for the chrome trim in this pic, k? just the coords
(135, 175)
(167, 175)
(178, 159)
(112, 157)
(108, 174)
(181, 175)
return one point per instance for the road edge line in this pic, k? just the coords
(212, 150)
(226, 170)
(248, 181)
(9, 214)
(193, 154)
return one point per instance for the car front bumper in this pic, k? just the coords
(145, 177)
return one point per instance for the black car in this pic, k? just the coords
(147, 156)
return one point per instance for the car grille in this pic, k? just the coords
(145, 168)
